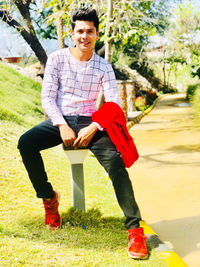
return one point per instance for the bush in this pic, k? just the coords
(141, 103)
(145, 99)
(196, 103)
(151, 96)
(191, 91)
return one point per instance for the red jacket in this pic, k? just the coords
(111, 117)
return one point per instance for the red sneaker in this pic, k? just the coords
(137, 247)
(52, 216)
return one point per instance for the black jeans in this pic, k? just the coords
(45, 135)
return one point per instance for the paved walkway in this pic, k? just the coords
(166, 178)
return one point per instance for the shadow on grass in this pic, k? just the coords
(87, 230)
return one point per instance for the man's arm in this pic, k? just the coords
(109, 86)
(49, 94)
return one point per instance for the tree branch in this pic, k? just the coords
(101, 51)
(28, 35)
(8, 19)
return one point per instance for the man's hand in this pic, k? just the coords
(67, 134)
(85, 135)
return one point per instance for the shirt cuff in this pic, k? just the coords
(98, 126)
(58, 121)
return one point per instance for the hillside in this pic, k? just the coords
(20, 98)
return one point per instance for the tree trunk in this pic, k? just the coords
(108, 46)
(26, 31)
(101, 51)
(164, 69)
(59, 27)
(29, 33)
(164, 74)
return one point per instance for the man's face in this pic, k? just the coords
(85, 35)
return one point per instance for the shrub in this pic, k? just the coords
(191, 91)
(151, 96)
(196, 103)
(141, 103)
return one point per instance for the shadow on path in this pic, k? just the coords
(180, 231)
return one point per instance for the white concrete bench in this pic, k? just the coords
(76, 158)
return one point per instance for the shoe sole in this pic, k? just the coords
(137, 256)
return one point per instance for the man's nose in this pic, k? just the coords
(84, 35)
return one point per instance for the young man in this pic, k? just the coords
(72, 80)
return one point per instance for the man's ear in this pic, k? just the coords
(97, 35)
(72, 34)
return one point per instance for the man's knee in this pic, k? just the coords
(24, 142)
(21, 142)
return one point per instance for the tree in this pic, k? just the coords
(60, 13)
(125, 25)
(59, 27)
(120, 21)
(182, 34)
(108, 30)
(25, 27)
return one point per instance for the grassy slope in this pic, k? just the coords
(25, 241)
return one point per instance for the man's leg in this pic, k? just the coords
(41, 137)
(106, 153)
(110, 159)
(30, 144)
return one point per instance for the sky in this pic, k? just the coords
(12, 44)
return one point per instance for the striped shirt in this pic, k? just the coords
(71, 87)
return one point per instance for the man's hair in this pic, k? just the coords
(87, 14)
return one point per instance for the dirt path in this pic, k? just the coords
(166, 178)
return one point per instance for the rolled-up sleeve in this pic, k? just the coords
(50, 90)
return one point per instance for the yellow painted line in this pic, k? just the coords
(139, 117)
(169, 257)
(172, 259)
(147, 229)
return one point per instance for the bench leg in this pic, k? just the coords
(78, 193)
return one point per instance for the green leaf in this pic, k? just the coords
(152, 31)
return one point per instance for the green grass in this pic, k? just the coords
(196, 103)
(193, 95)
(20, 101)
(25, 241)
